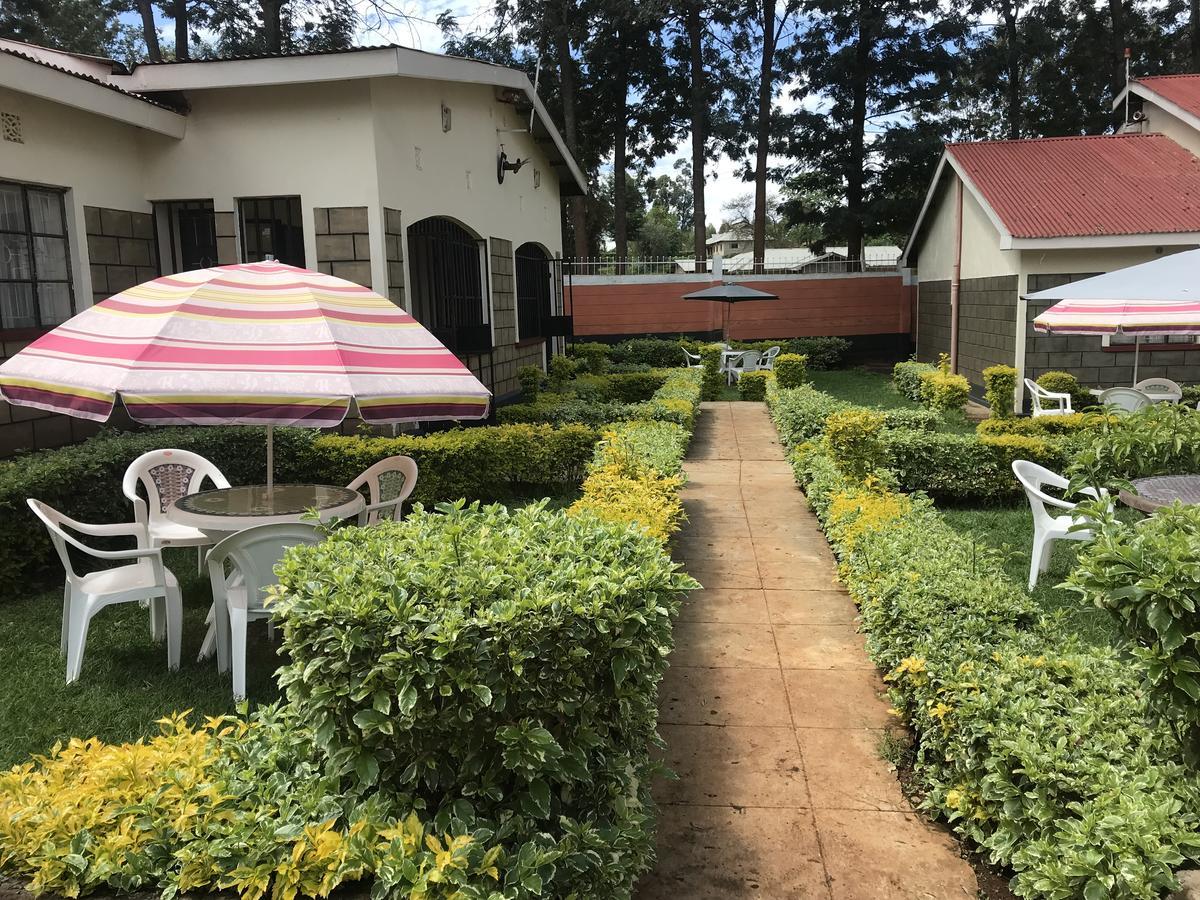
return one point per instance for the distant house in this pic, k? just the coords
(727, 243)
(801, 260)
(1021, 216)
(380, 165)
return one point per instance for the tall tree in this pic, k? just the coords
(145, 9)
(179, 12)
(82, 26)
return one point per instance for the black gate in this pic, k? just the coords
(448, 284)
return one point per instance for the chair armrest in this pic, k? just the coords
(366, 511)
(134, 528)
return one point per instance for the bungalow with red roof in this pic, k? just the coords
(1003, 219)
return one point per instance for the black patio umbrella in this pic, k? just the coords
(729, 294)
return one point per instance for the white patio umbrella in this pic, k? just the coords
(1161, 297)
(254, 344)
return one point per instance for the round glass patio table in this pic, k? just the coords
(1162, 490)
(229, 510)
(1155, 396)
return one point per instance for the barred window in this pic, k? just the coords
(35, 267)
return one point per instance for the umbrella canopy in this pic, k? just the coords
(729, 294)
(1159, 297)
(261, 344)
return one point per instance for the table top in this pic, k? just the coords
(1162, 490)
(236, 508)
(1156, 396)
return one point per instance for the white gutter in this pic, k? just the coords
(37, 80)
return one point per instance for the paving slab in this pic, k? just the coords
(771, 711)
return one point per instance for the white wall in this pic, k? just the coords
(98, 159)
(1163, 122)
(981, 253)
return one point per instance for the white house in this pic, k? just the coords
(1006, 218)
(385, 166)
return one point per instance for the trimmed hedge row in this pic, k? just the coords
(84, 480)
(598, 400)
(665, 353)
(800, 414)
(1041, 751)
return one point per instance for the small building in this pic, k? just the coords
(1006, 218)
(385, 166)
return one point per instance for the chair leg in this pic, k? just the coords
(158, 623)
(237, 633)
(221, 624)
(77, 639)
(1035, 559)
(199, 560)
(209, 646)
(66, 620)
(173, 608)
(1047, 553)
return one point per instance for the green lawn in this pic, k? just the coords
(125, 684)
(866, 388)
(1010, 531)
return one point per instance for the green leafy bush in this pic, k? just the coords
(1042, 752)
(1042, 425)
(713, 380)
(791, 370)
(821, 352)
(562, 369)
(943, 391)
(800, 414)
(1000, 385)
(669, 395)
(852, 440)
(906, 376)
(1066, 383)
(657, 353)
(531, 382)
(964, 468)
(753, 385)
(1148, 576)
(591, 355)
(1159, 439)
(659, 445)
(508, 657)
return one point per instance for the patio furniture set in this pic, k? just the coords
(1118, 400)
(249, 528)
(736, 362)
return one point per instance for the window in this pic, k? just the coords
(1146, 340)
(35, 267)
(447, 275)
(272, 226)
(534, 291)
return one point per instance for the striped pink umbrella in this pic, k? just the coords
(262, 344)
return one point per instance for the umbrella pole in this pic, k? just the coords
(1136, 346)
(270, 457)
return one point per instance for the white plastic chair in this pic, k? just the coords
(238, 597)
(386, 497)
(1124, 400)
(1047, 403)
(768, 359)
(84, 595)
(167, 475)
(1163, 387)
(1048, 527)
(747, 361)
(692, 360)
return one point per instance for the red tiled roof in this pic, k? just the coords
(1086, 186)
(1182, 90)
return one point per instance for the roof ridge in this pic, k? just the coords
(1044, 140)
(1142, 78)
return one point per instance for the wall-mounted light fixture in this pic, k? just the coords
(445, 117)
(504, 165)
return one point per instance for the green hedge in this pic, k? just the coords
(508, 660)
(752, 386)
(800, 414)
(906, 376)
(597, 400)
(1043, 752)
(84, 480)
(964, 468)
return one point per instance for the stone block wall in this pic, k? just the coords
(987, 324)
(121, 249)
(933, 320)
(343, 243)
(227, 244)
(1085, 356)
(393, 242)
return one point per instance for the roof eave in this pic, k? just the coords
(39, 80)
(1104, 241)
(1147, 93)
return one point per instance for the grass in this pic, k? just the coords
(125, 684)
(1009, 532)
(865, 388)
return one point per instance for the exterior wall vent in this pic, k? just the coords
(10, 127)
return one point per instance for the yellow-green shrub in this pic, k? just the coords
(1066, 383)
(791, 370)
(712, 380)
(625, 494)
(852, 440)
(942, 390)
(752, 386)
(1000, 384)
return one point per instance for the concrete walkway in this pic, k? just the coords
(771, 709)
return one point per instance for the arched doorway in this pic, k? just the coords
(535, 291)
(448, 284)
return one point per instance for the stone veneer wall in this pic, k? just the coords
(393, 242)
(343, 243)
(121, 249)
(1085, 357)
(499, 372)
(227, 244)
(933, 320)
(987, 323)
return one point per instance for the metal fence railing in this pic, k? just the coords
(808, 264)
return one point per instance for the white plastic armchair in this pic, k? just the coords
(1162, 388)
(165, 476)
(1124, 400)
(1047, 403)
(1049, 527)
(768, 359)
(239, 594)
(692, 360)
(747, 361)
(389, 483)
(144, 577)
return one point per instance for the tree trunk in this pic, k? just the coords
(1117, 38)
(699, 86)
(766, 79)
(620, 139)
(1194, 35)
(181, 29)
(272, 11)
(566, 76)
(149, 30)
(1008, 9)
(856, 160)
